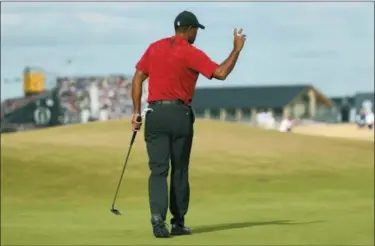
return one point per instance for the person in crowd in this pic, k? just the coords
(286, 124)
(361, 119)
(270, 120)
(370, 119)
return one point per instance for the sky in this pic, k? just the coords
(329, 45)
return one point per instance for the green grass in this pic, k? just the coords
(248, 187)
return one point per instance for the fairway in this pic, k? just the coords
(248, 187)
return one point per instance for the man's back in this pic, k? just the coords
(173, 66)
(169, 53)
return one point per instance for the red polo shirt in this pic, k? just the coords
(173, 69)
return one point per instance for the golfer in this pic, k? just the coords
(172, 66)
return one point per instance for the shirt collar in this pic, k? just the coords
(179, 38)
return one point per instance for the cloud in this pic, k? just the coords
(72, 23)
(94, 18)
(309, 14)
(314, 54)
(302, 26)
(326, 43)
(232, 5)
(116, 25)
(42, 7)
(10, 19)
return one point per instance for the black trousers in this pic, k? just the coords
(169, 135)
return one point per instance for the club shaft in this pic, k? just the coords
(123, 170)
(139, 119)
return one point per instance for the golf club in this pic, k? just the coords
(113, 209)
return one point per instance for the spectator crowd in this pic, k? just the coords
(84, 99)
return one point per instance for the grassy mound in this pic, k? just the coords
(248, 186)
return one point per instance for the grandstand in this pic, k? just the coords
(73, 99)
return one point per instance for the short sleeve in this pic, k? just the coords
(200, 62)
(144, 63)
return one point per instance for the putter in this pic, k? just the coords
(113, 209)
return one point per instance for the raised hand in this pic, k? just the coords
(239, 39)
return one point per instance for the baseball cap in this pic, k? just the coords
(185, 19)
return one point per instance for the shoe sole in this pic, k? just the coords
(180, 234)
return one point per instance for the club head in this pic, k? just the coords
(115, 211)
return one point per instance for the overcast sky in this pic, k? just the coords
(330, 45)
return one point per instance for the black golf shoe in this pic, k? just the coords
(159, 227)
(178, 228)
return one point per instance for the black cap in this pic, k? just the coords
(186, 19)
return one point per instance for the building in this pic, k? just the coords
(243, 103)
(346, 108)
(350, 106)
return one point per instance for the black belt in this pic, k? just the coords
(167, 102)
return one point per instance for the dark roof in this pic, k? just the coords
(247, 97)
(343, 101)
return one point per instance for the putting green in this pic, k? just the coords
(248, 186)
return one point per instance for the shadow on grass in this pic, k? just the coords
(240, 225)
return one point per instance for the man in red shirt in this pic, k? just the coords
(172, 66)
